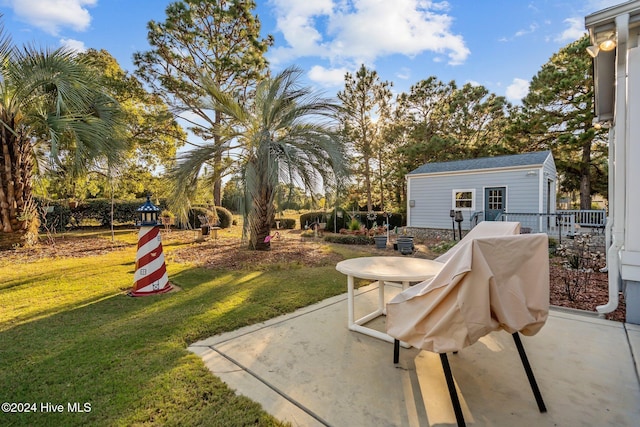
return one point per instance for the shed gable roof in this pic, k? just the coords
(514, 160)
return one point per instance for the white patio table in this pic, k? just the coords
(383, 269)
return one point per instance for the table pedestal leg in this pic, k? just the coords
(381, 306)
(350, 301)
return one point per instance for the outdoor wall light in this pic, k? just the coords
(593, 51)
(606, 44)
(609, 43)
(412, 203)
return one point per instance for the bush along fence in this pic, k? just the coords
(61, 215)
(223, 217)
(343, 218)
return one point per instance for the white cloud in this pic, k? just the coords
(404, 73)
(72, 44)
(574, 31)
(517, 90)
(52, 15)
(360, 31)
(327, 77)
(532, 28)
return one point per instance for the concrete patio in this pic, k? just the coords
(308, 369)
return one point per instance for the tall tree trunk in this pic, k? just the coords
(381, 179)
(18, 219)
(260, 219)
(217, 164)
(367, 183)
(6, 177)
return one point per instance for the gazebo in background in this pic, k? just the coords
(614, 34)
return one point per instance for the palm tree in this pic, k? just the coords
(283, 134)
(51, 107)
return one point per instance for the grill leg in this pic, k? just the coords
(452, 390)
(396, 351)
(529, 371)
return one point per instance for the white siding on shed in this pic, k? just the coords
(432, 193)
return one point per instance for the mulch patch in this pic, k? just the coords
(61, 246)
(591, 293)
(232, 254)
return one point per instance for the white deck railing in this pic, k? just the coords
(588, 218)
(557, 224)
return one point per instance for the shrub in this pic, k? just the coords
(311, 217)
(285, 223)
(99, 210)
(354, 225)
(340, 222)
(194, 213)
(442, 247)
(349, 239)
(124, 211)
(58, 219)
(580, 261)
(395, 220)
(225, 217)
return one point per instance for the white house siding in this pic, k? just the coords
(431, 194)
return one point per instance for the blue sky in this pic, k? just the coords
(500, 44)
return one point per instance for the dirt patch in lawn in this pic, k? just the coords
(232, 254)
(62, 246)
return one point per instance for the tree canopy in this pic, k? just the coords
(284, 135)
(365, 109)
(54, 113)
(150, 129)
(217, 40)
(557, 114)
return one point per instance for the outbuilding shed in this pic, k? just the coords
(481, 188)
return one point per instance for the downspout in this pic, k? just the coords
(408, 180)
(609, 219)
(541, 193)
(619, 152)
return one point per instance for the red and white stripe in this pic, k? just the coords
(151, 272)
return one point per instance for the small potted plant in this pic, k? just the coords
(379, 237)
(405, 243)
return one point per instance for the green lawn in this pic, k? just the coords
(68, 334)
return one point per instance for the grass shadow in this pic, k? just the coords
(127, 356)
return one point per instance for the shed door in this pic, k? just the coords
(494, 202)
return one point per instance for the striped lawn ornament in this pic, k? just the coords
(151, 272)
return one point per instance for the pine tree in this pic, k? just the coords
(213, 39)
(365, 108)
(558, 115)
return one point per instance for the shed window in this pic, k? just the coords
(463, 199)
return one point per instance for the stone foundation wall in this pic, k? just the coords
(422, 234)
(431, 234)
